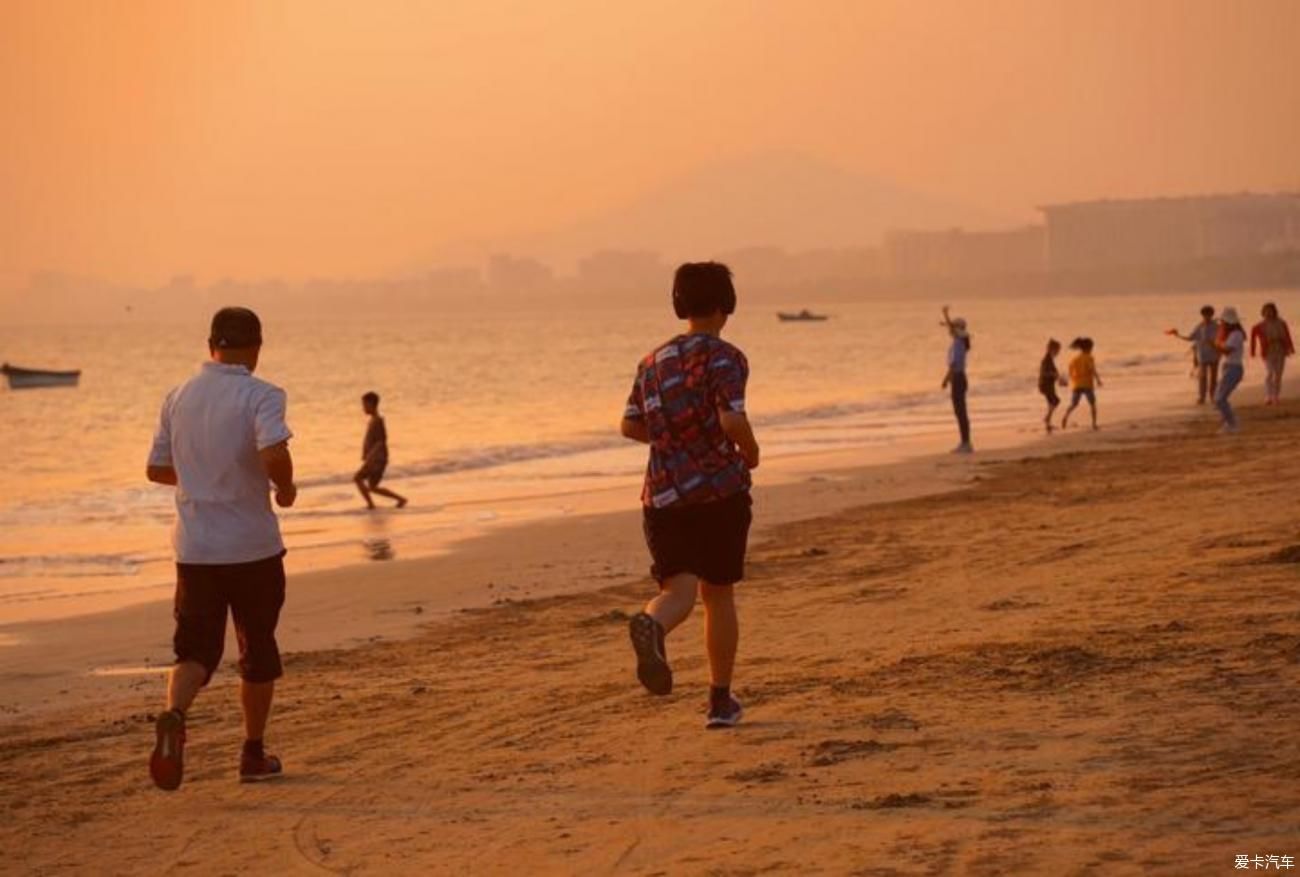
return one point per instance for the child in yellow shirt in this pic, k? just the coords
(1083, 378)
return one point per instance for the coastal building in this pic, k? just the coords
(508, 273)
(959, 253)
(1100, 235)
(816, 271)
(622, 269)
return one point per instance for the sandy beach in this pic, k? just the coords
(1081, 662)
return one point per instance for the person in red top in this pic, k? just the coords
(688, 405)
(1274, 339)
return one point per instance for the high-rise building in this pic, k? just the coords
(1095, 235)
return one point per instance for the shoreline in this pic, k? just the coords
(100, 655)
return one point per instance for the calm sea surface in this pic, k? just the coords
(485, 409)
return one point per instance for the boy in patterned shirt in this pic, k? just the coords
(688, 405)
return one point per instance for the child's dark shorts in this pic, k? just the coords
(707, 540)
(1049, 393)
(252, 592)
(372, 473)
(1084, 393)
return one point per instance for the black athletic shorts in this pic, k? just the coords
(1049, 392)
(372, 473)
(252, 592)
(707, 540)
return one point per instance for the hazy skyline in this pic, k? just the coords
(298, 139)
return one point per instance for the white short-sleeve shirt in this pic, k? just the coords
(210, 431)
(1235, 344)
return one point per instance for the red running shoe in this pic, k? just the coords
(256, 768)
(167, 764)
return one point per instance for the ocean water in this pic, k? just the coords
(503, 417)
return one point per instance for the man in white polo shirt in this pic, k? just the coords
(222, 442)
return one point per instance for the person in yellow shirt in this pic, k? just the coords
(1083, 379)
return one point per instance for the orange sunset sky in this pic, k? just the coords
(145, 139)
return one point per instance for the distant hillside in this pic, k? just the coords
(780, 199)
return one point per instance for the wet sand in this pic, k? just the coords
(1080, 663)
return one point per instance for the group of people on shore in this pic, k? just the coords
(1084, 380)
(1219, 354)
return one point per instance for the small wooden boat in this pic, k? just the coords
(27, 378)
(804, 316)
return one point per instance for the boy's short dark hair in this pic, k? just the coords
(235, 329)
(1084, 344)
(371, 398)
(703, 288)
(1207, 311)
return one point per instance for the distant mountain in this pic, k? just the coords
(782, 199)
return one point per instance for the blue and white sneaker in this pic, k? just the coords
(724, 714)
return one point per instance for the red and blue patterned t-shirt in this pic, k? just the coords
(678, 391)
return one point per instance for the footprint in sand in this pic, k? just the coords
(879, 594)
(764, 773)
(893, 720)
(1289, 554)
(829, 752)
(893, 801)
(1010, 604)
(613, 616)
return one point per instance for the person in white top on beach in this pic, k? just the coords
(222, 442)
(1232, 344)
(955, 377)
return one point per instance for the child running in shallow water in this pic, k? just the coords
(1048, 377)
(1084, 380)
(374, 455)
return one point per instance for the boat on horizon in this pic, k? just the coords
(803, 316)
(30, 378)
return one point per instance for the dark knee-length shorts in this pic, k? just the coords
(253, 593)
(372, 473)
(707, 540)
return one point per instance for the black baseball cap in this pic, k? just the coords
(235, 328)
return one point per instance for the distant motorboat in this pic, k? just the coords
(29, 378)
(804, 316)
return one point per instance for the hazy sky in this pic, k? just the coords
(141, 139)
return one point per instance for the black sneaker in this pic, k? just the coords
(724, 713)
(651, 656)
(256, 768)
